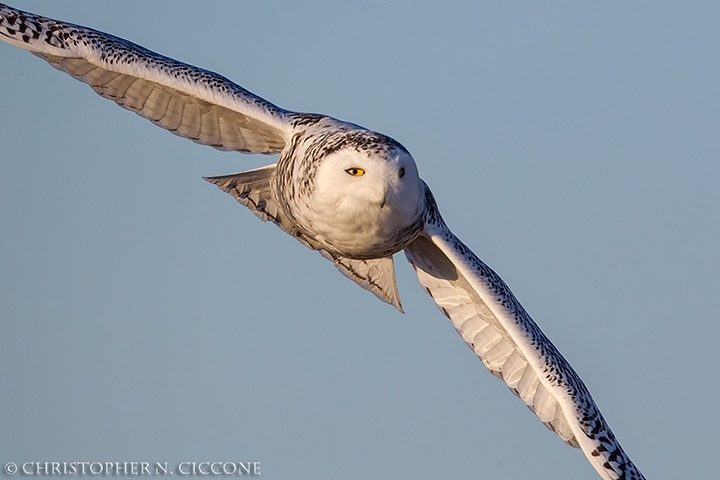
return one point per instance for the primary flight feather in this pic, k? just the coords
(350, 193)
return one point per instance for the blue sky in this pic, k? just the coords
(573, 146)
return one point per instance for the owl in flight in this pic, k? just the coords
(353, 195)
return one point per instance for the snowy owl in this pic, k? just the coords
(353, 195)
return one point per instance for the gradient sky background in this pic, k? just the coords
(146, 316)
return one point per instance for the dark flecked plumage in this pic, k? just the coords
(208, 108)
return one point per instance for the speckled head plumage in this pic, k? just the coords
(367, 194)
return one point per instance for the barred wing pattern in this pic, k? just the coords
(188, 101)
(498, 329)
(211, 110)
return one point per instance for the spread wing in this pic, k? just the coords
(191, 102)
(498, 329)
(253, 189)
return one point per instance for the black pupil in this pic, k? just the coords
(401, 172)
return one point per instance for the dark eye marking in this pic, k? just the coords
(401, 172)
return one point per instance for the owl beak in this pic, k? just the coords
(384, 196)
(385, 193)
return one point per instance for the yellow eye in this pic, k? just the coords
(355, 172)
